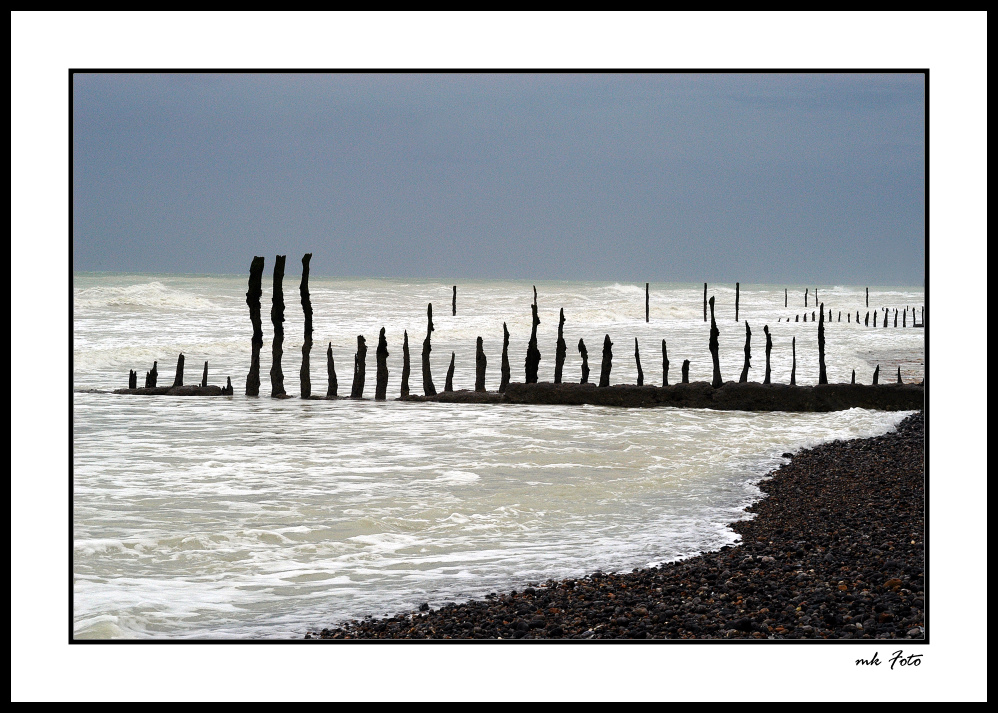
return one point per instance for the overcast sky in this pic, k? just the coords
(807, 179)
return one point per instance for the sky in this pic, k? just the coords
(648, 177)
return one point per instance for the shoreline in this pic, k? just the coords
(835, 552)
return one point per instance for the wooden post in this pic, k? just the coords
(705, 302)
(561, 349)
(604, 375)
(686, 371)
(449, 380)
(713, 346)
(480, 363)
(785, 298)
(805, 296)
(853, 377)
(769, 348)
(748, 354)
(227, 390)
(277, 317)
(665, 365)
(822, 376)
(428, 388)
(793, 366)
(381, 383)
(453, 303)
(178, 380)
(330, 373)
(154, 374)
(359, 369)
(646, 302)
(874, 318)
(736, 300)
(133, 379)
(637, 360)
(505, 359)
(253, 295)
(867, 296)
(899, 376)
(305, 376)
(585, 362)
(533, 359)
(204, 376)
(876, 375)
(405, 365)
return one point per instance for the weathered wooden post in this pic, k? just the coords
(874, 318)
(686, 371)
(381, 377)
(797, 318)
(895, 317)
(867, 296)
(405, 365)
(646, 302)
(876, 375)
(904, 318)
(665, 365)
(585, 362)
(178, 380)
(812, 315)
(153, 374)
(805, 316)
(853, 377)
(866, 322)
(133, 379)
(637, 360)
(359, 367)
(604, 374)
(561, 350)
(705, 302)
(453, 303)
(504, 365)
(277, 317)
(253, 295)
(480, 364)
(330, 373)
(713, 346)
(449, 379)
(305, 376)
(204, 376)
(899, 376)
(428, 388)
(769, 348)
(793, 364)
(748, 354)
(785, 298)
(822, 376)
(840, 315)
(227, 389)
(887, 313)
(736, 300)
(533, 353)
(805, 296)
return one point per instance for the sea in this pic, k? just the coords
(243, 517)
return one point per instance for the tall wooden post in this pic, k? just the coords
(306, 347)
(604, 375)
(504, 366)
(428, 388)
(277, 317)
(646, 302)
(822, 376)
(381, 384)
(713, 346)
(584, 353)
(637, 360)
(253, 295)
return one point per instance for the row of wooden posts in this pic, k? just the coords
(531, 365)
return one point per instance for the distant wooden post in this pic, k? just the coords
(867, 296)
(204, 376)
(381, 384)
(705, 302)
(133, 379)
(904, 318)
(866, 322)
(604, 376)
(874, 318)
(822, 376)
(561, 350)
(253, 295)
(227, 389)
(665, 365)
(793, 366)
(480, 364)
(533, 359)
(805, 296)
(154, 374)
(637, 360)
(277, 317)
(178, 380)
(876, 375)
(646, 302)
(713, 346)
(748, 354)
(853, 377)
(449, 380)
(453, 303)
(785, 298)
(736, 300)
(405, 365)
(305, 376)
(330, 373)
(840, 315)
(769, 348)
(584, 353)
(686, 371)
(428, 388)
(899, 376)
(504, 366)
(359, 369)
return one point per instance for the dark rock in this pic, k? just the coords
(584, 353)
(359, 367)
(428, 388)
(381, 383)
(277, 317)
(305, 376)
(604, 376)
(253, 295)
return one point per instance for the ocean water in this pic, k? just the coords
(253, 517)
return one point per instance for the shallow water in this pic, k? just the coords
(236, 516)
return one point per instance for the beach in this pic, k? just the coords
(835, 551)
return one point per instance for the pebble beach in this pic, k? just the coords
(835, 551)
